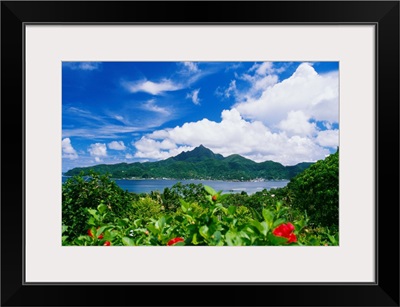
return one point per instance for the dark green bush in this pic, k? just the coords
(80, 193)
(316, 191)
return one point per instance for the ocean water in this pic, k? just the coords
(148, 185)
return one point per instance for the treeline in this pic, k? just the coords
(200, 163)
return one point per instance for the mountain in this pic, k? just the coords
(199, 163)
(198, 154)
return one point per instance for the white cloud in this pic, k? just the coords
(116, 145)
(263, 68)
(314, 94)
(152, 107)
(233, 135)
(328, 138)
(153, 88)
(158, 150)
(297, 123)
(82, 65)
(190, 67)
(98, 150)
(194, 96)
(231, 89)
(119, 118)
(67, 150)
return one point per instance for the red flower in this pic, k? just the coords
(214, 198)
(174, 241)
(100, 236)
(107, 243)
(90, 233)
(286, 231)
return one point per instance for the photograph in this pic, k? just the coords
(200, 153)
(186, 153)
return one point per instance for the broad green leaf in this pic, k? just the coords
(102, 208)
(128, 241)
(275, 240)
(219, 207)
(137, 222)
(332, 239)
(217, 236)
(91, 221)
(92, 212)
(194, 239)
(122, 223)
(152, 229)
(261, 227)
(160, 223)
(100, 230)
(108, 236)
(232, 238)
(232, 210)
(268, 216)
(265, 228)
(204, 231)
(184, 205)
(210, 190)
(255, 214)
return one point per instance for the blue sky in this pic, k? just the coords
(115, 112)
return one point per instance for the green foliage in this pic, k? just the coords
(316, 191)
(188, 192)
(81, 194)
(200, 163)
(185, 215)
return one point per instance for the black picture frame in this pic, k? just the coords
(383, 14)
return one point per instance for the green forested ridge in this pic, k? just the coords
(200, 163)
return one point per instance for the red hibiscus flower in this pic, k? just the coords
(286, 231)
(90, 233)
(214, 198)
(100, 236)
(174, 241)
(107, 243)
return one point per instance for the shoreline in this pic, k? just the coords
(191, 179)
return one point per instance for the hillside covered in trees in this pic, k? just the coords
(200, 163)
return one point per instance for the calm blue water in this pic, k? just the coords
(146, 186)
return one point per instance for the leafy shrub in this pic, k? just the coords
(316, 191)
(96, 212)
(81, 193)
(189, 192)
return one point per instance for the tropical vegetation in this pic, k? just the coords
(200, 163)
(97, 212)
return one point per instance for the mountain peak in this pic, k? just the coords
(198, 154)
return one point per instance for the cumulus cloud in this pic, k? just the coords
(232, 135)
(153, 88)
(194, 96)
(98, 151)
(316, 95)
(116, 145)
(328, 138)
(67, 150)
(297, 123)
